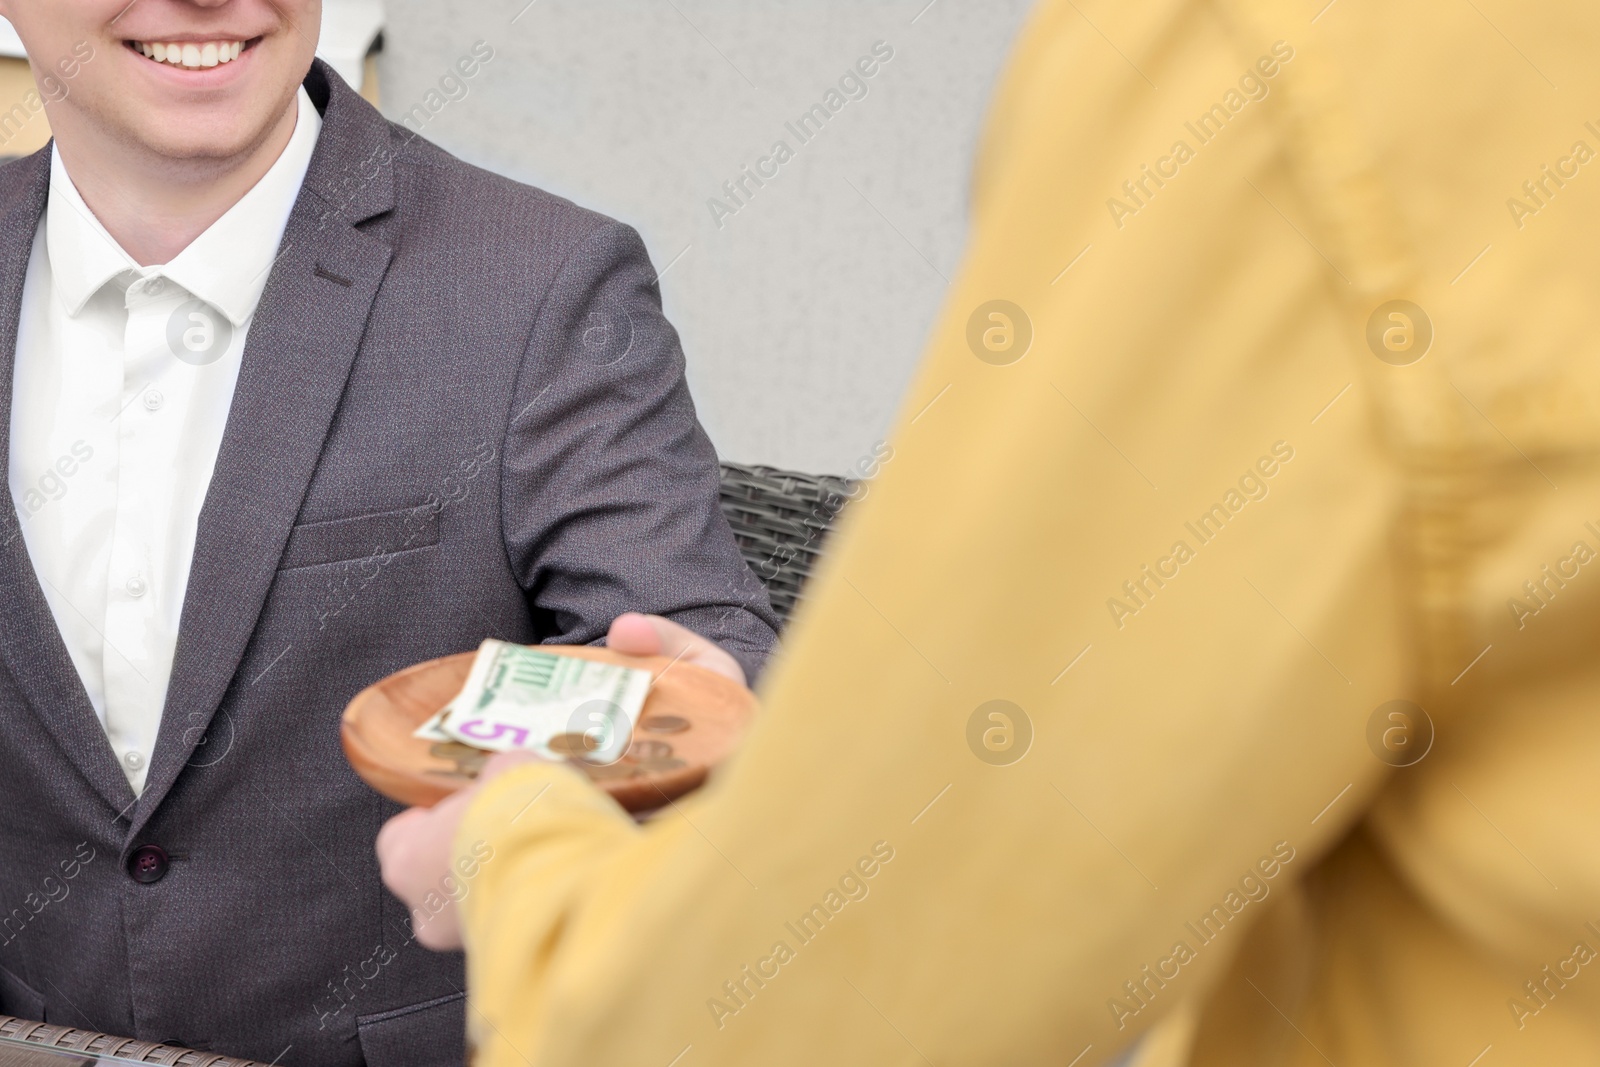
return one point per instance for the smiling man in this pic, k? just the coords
(292, 400)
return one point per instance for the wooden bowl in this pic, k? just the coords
(692, 720)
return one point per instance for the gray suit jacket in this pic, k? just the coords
(460, 414)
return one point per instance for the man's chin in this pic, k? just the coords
(198, 146)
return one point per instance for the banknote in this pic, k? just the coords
(520, 697)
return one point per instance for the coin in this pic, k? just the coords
(665, 724)
(572, 744)
(603, 771)
(647, 749)
(468, 760)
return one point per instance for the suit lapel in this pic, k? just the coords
(302, 343)
(30, 642)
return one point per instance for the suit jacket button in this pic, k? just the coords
(148, 864)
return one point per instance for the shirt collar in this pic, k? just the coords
(227, 266)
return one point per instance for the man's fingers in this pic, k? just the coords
(678, 642)
(651, 635)
(636, 635)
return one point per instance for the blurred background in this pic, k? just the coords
(643, 109)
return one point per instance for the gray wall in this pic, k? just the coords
(804, 313)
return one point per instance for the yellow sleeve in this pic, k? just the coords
(528, 850)
(1085, 686)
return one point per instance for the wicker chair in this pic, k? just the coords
(780, 519)
(26, 1044)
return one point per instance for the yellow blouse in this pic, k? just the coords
(1214, 658)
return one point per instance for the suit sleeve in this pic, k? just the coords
(610, 485)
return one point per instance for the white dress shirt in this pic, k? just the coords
(124, 376)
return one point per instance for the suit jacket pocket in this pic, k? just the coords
(430, 1034)
(381, 533)
(20, 999)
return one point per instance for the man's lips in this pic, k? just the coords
(192, 54)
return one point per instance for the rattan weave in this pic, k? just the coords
(780, 519)
(93, 1044)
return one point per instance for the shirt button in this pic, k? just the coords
(133, 761)
(156, 286)
(136, 586)
(153, 400)
(148, 864)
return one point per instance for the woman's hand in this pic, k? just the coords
(415, 852)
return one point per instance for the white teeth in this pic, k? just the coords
(191, 55)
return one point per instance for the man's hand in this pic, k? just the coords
(651, 635)
(414, 847)
(415, 851)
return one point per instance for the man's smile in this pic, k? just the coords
(191, 55)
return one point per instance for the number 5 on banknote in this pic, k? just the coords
(485, 730)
